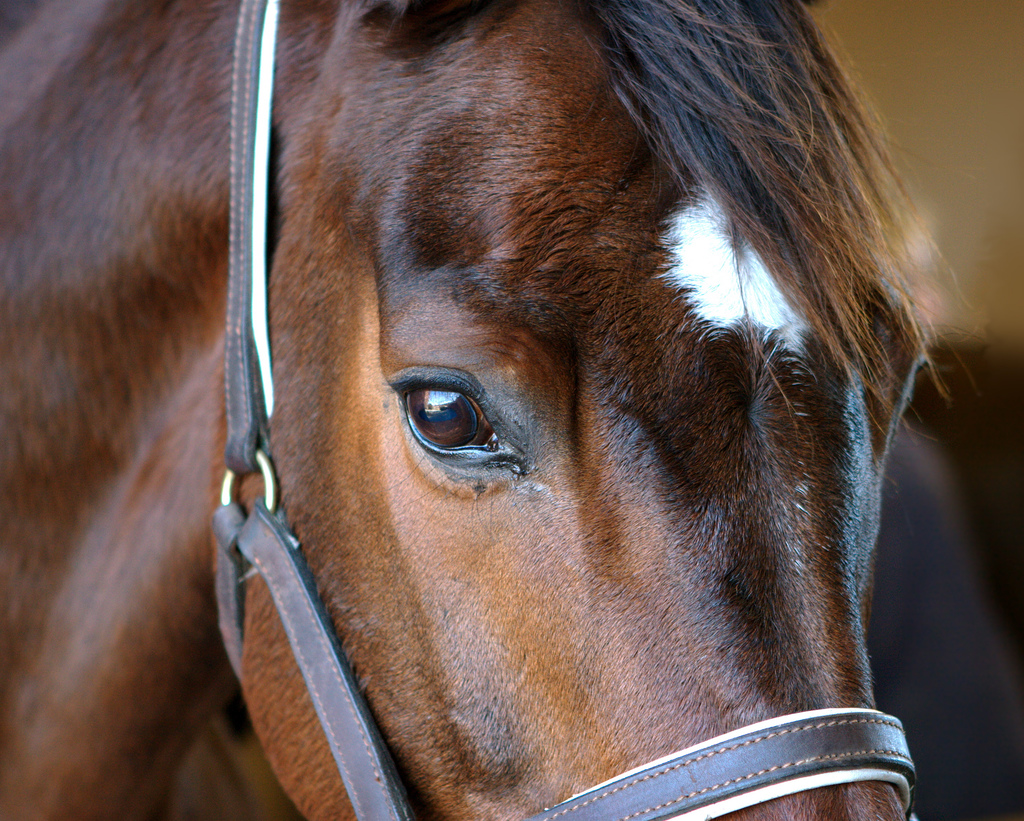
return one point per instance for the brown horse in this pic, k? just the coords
(590, 334)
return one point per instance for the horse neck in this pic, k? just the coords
(113, 226)
(113, 217)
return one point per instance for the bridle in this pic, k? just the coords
(749, 766)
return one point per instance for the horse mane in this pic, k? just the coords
(742, 100)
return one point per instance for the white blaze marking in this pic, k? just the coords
(725, 283)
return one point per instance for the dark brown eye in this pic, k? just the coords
(448, 419)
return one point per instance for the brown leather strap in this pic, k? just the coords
(777, 758)
(370, 777)
(229, 581)
(261, 539)
(246, 414)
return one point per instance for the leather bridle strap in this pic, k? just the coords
(246, 400)
(749, 766)
(261, 539)
(752, 765)
(362, 757)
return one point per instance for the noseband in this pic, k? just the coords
(749, 766)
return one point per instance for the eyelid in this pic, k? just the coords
(413, 379)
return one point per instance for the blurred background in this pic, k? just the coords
(946, 78)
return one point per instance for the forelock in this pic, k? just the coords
(743, 102)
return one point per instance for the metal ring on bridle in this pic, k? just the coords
(227, 488)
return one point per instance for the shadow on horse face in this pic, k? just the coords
(668, 534)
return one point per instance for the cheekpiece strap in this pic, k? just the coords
(245, 406)
(362, 757)
(261, 540)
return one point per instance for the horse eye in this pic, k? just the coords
(449, 420)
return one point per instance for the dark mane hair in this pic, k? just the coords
(742, 99)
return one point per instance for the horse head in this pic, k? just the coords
(590, 334)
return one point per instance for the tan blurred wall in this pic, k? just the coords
(947, 77)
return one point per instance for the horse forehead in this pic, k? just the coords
(722, 279)
(696, 275)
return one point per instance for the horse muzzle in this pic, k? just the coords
(740, 769)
